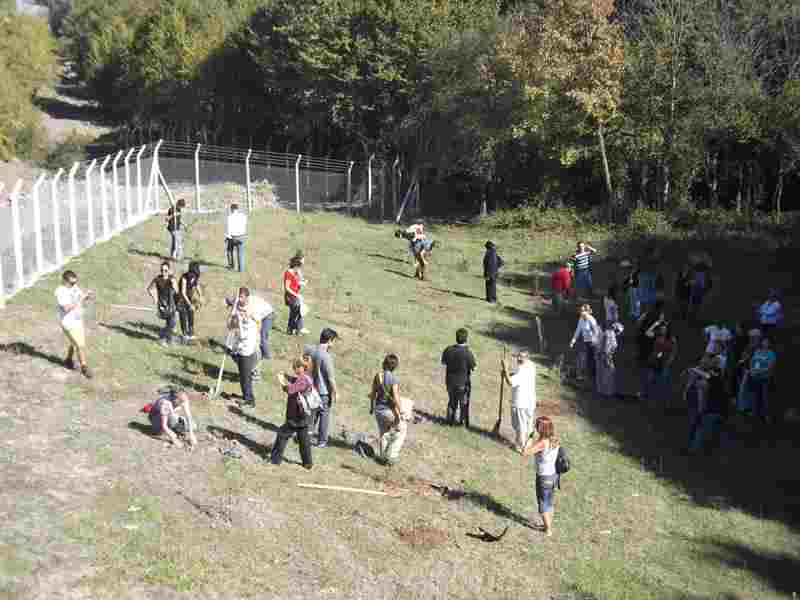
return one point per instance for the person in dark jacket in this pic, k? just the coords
(492, 263)
(713, 411)
(297, 421)
(459, 362)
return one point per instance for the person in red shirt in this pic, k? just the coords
(561, 284)
(292, 278)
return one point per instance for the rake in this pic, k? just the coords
(228, 341)
(496, 428)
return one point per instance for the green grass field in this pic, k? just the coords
(96, 508)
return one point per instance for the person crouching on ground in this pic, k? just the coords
(545, 449)
(492, 263)
(392, 412)
(297, 421)
(523, 397)
(70, 299)
(165, 419)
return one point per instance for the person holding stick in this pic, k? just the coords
(459, 362)
(164, 292)
(70, 299)
(523, 397)
(244, 345)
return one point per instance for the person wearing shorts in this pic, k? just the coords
(545, 451)
(70, 299)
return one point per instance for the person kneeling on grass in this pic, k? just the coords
(164, 417)
(545, 449)
(297, 421)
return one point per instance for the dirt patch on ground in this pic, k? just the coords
(422, 536)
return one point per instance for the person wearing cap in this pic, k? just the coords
(523, 397)
(561, 285)
(492, 263)
(323, 376)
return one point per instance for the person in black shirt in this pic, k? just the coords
(460, 362)
(492, 263)
(164, 292)
(713, 411)
(190, 298)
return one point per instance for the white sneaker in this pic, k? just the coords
(304, 332)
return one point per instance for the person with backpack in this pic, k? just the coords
(298, 415)
(164, 292)
(492, 263)
(175, 229)
(545, 449)
(392, 412)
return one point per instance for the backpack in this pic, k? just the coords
(562, 461)
(310, 401)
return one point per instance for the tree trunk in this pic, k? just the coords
(776, 197)
(643, 196)
(712, 179)
(606, 172)
(739, 191)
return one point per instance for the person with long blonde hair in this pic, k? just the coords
(545, 451)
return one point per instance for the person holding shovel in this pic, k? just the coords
(523, 397)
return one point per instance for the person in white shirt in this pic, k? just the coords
(70, 299)
(523, 397)
(586, 334)
(235, 236)
(245, 343)
(770, 313)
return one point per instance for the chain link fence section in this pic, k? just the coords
(46, 222)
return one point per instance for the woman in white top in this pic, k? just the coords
(545, 450)
(586, 334)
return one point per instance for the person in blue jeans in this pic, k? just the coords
(713, 409)
(164, 292)
(235, 237)
(758, 377)
(323, 375)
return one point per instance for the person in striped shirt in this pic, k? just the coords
(582, 265)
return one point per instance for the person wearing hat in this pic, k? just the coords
(492, 263)
(323, 375)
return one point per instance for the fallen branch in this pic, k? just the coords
(143, 308)
(340, 488)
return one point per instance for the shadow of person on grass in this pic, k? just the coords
(393, 259)
(135, 330)
(195, 366)
(259, 450)
(32, 351)
(253, 420)
(406, 275)
(459, 294)
(183, 382)
(147, 430)
(439, 420)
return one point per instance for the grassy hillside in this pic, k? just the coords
(97, 508)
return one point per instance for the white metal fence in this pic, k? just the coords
(44, 223)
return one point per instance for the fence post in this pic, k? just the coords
(297, 181)
(37, 224)
(128, 186)
(350, 183)
(115, 192)
(369, 181)
(57, 217)
(395, 186)
(104, 197)
(153, 196)
(73, 214)
(90, 203)
(139, 200)
(247, 180)
(16, 230)
(197, 178)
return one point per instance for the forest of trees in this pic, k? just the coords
(633, 103)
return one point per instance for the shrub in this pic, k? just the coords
(65, 153)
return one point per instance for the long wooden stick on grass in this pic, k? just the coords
(496, 429)
(340, 488)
